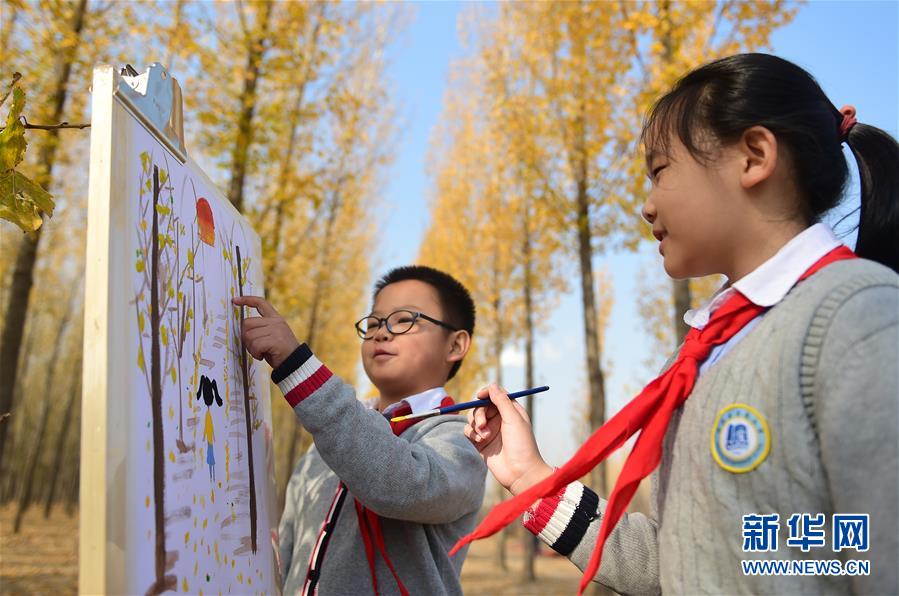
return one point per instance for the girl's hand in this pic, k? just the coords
(503, 435)
(267, 336)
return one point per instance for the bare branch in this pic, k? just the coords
(29, 125)
(54, 126)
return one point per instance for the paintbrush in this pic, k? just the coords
(466, 405)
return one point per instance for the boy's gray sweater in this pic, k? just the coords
(426, 485)
(823, 368)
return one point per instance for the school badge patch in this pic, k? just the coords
(740, 438)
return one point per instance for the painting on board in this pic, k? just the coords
(199, 502)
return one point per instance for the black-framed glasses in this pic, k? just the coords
(398, 322)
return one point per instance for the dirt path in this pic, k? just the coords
(43, 559)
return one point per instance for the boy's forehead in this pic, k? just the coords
(410, 293)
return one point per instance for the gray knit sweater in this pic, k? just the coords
(822, 368)
(425, 485)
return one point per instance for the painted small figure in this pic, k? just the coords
(209, 392)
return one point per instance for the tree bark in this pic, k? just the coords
(173, 37)
(23, 273)
(41, 431)
(72, 500)
(253, 69)
(498, 344)
(59, 452)
(273, 245)
(317, 295)
(17, 442)
(31, 466)
(529, 541)
(591, 323)
(680, 290)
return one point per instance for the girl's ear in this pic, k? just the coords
(461, 341)
(757, 148)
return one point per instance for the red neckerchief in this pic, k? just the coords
(370, 523)
(649, 413)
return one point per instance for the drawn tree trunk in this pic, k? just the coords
(244, 373)
(162, 582)
(59, 451)
(23, 273)
(181, 317)
(252, 71)
(41, 430)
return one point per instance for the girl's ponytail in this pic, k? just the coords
(877, 155)
(727, 96)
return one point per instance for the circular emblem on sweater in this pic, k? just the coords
(740, 438)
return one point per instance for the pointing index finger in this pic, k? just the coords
(259, 303)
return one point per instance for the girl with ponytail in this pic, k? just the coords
(772, 435)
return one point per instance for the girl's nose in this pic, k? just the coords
(649, 211)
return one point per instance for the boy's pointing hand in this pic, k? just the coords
(267, 336)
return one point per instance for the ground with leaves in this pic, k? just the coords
(43, 559)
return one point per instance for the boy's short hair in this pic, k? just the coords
(455, 300)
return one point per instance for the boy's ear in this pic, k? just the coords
(758, 153)
(461, 341)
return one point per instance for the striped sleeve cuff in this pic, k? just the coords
(562, 520)
(300, 375)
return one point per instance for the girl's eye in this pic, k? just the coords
(656, 171)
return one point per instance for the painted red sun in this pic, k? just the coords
(207, 224)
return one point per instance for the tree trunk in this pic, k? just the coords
(23, 273)
(498, 344)
(34, 456)
(73, 487)
(271, 246)
(55, 470)
(17, 427)
(680, 290)
(591, 323)
(173, 37)
(253, 69)
(31, 466)
(317, 296)
(529, 541)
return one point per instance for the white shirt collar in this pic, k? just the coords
(420, 402)
(767, 284)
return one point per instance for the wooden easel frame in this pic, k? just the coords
(154, 99)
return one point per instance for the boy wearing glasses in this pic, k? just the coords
(374, 506)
